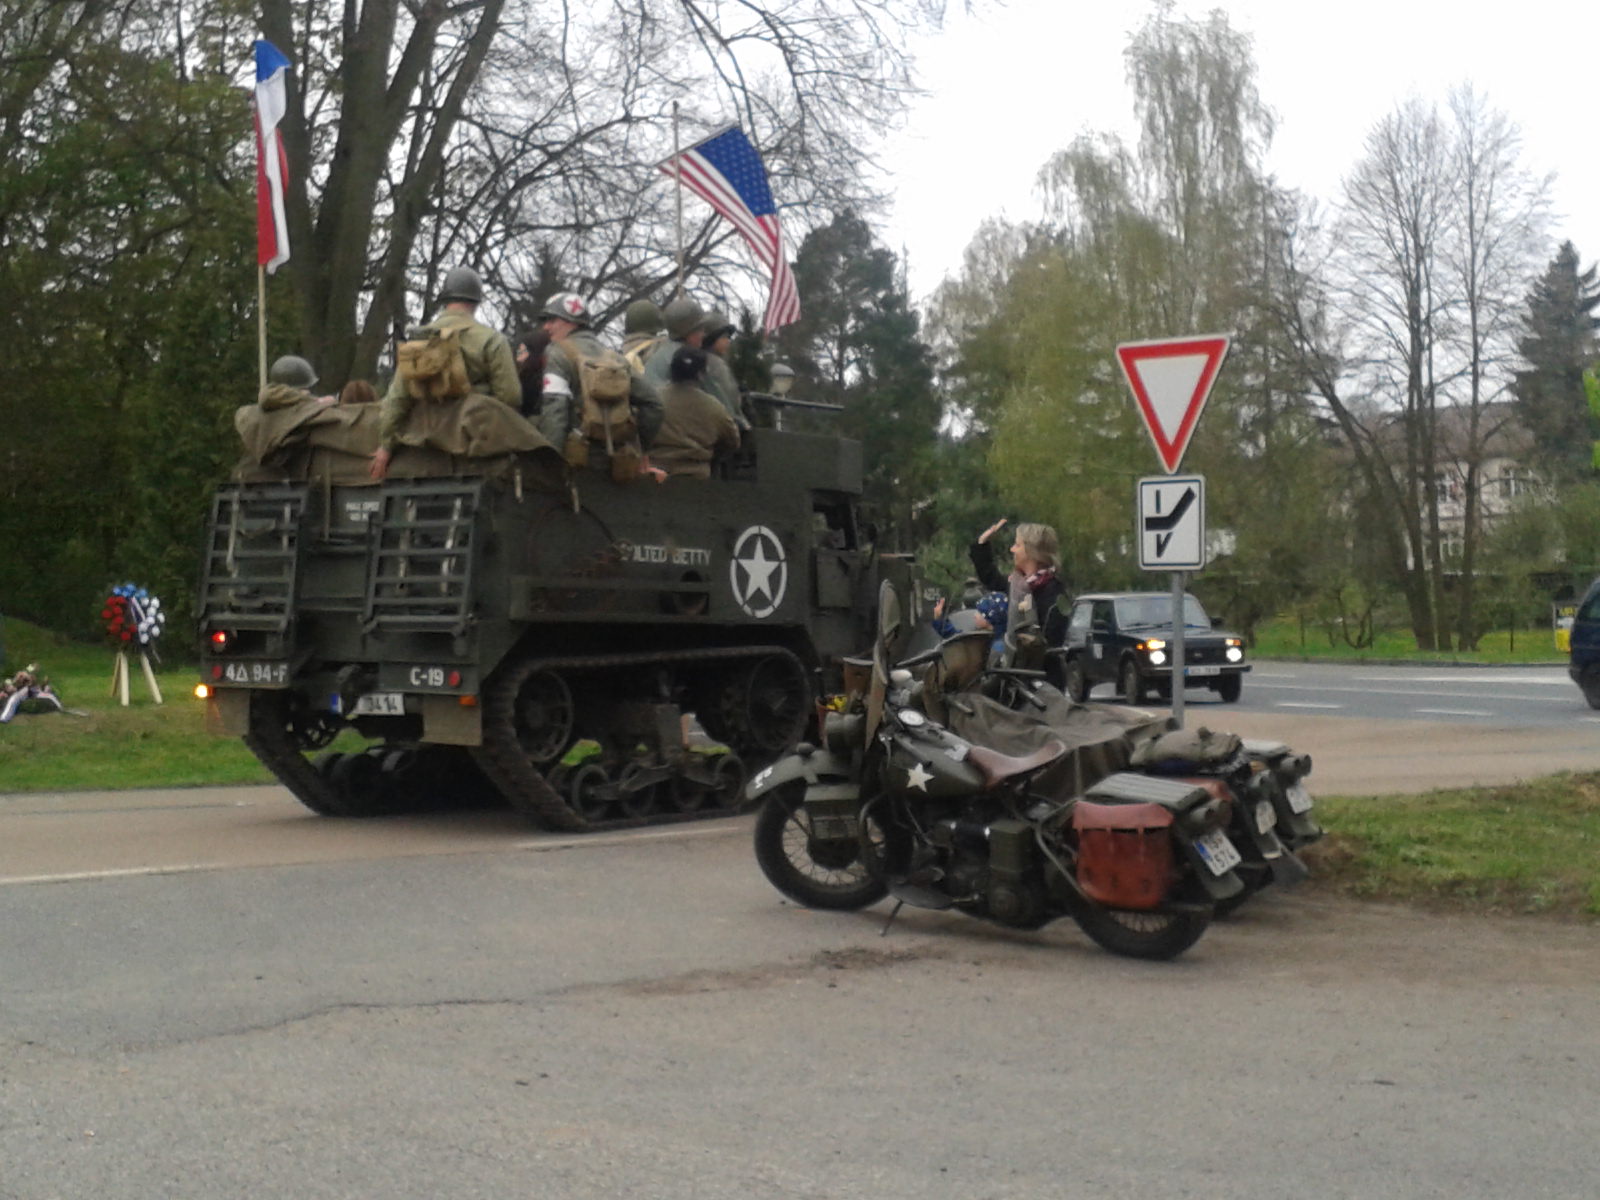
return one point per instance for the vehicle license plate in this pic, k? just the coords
(380, 704)
(1218, 852)
(1299, 798)
(1202, 671)
(269, 674)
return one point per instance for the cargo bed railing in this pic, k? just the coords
(253, 556)
(422, 563)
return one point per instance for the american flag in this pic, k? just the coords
(726, 172)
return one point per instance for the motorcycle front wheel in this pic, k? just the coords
(816, 872)
(1152, 935)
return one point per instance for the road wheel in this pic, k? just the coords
(583, 789)
(817, 873)
(1151, 935)
(1132, 682)
(633, 799)
(1076, 683)
(1229, 687)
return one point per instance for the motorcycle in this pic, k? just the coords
(1265, 781)
(892, 803)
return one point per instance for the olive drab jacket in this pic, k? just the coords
(563, 405)
(693, 428)
(278, 420)
(291, 434)
(720, 382)
(720, 385)
(491, 370)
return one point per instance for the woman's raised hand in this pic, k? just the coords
(992, 530)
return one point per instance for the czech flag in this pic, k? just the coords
(272, 166)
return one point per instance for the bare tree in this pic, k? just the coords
(1401, 329)
(521, 136)
(1496, 243)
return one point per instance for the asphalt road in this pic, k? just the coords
(642, 1016)
(212, 993)
(1512, 695)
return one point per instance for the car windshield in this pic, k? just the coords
(1147, 611)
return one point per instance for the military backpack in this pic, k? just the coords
(431, 365)
(604, 393)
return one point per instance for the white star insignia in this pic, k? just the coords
(918, 777)
(760, 570)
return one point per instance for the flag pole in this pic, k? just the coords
(677, 166)
(261, 324)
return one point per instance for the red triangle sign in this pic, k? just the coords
(1171, 379)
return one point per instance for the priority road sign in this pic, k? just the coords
(1172, 522)
(1171, 380)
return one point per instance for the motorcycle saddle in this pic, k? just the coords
(996, 768)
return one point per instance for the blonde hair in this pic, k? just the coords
(1041, 543)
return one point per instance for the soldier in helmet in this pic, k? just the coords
(682, 318)
(642, 332)
(491, 369)
(284, 408)
(565, 317)
(716, 333)
(696, 426)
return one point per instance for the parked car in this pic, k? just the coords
(1125, 639)
(1583, 654)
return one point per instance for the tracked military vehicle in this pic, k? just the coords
(539, 635)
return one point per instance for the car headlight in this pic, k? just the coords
(1234, 654)
(1157, 657)
(1155, 644)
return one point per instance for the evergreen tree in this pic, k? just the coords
(1558, 343)
(859, 345)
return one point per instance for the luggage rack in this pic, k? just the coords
(421, 566)
(253, 555)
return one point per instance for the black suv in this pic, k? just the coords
(1125, 638)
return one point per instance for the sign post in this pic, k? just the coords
(1171, 380)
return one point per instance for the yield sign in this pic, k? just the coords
(1171, 380)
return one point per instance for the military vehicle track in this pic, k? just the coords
(532, 793)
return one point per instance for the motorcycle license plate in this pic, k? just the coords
(380, 704)
(1217, 852)
(1299, 798)
(1192, 671)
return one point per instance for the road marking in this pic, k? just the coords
(1373, 691)
(717, 828)
(1304, 704)
(720, 827)
(1542, 679)
(121, 873)
(1454, 712)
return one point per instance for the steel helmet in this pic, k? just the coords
(716, 325)
(567, 306)
(292, 371)
(682, 317)
(642, 317)
(461, 283)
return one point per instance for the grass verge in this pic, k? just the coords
(1286, 639)
(142, 745)
(1528, 848)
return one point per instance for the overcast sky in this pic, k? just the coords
(1009, 88)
